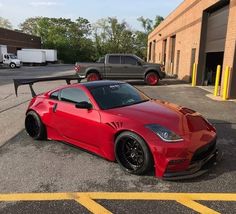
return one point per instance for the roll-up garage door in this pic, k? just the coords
(216, 30)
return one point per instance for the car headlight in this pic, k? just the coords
(164, 133)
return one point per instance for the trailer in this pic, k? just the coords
(51, 54)
(32, 57)
(8, 59)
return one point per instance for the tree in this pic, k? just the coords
(142, 36)
(5, 23)
(78, 40)
(158, 21)
(112, 36)
(70, 38)
(146, 23)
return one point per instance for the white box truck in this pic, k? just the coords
(51, 54)
(8, 59)
(32, 56)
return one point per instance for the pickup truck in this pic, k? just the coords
(121, 66)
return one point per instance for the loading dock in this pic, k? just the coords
(216, 29)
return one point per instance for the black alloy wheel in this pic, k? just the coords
(34, 126)
(133, 154)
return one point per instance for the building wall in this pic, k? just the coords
(185, 22)
(230, 49)
(16, 40)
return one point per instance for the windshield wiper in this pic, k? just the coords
(141, 101)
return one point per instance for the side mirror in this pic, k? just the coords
(84, 105)
(139, 63)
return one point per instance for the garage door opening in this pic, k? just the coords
(212, 61)
(213, 38)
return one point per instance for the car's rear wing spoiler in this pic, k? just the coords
(30, 82)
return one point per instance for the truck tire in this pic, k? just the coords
(93, 76)
(152, 78)
(12, 65)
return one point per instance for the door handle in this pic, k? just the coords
(54, 108)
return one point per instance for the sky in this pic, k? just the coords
(16, 11)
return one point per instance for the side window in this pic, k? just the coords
(54, 95)
(114, 60)
(6, 56)
(130, 60)
(101, 60)
(73, 95)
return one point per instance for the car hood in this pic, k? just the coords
(179, 119)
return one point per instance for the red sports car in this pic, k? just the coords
(120, 123)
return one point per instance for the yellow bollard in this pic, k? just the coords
(217, 80)
(194, 75)
(226, 81)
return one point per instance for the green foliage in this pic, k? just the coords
(79, 41)
(147, 24)
(158, 21)
(5, 23)
(69, 37)
(110, 36)
(142, 36)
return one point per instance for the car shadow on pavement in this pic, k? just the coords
(226, 144)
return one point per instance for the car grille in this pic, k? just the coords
(204, 151)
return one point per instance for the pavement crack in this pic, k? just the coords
(4, 98)
(7, 109)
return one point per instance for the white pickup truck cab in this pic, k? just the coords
(8, 59)
(11, 60)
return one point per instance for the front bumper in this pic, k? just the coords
(81, 76)
(197, 168)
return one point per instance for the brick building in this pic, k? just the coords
(16, 40)
(197, 31)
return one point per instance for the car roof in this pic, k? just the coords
(88, 85)
(100, 83)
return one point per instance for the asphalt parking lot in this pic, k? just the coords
(53, 177)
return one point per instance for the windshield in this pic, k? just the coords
(141, 60)
(117, 95)
(13, 56)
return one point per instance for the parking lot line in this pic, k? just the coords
(37, 196)
(196, 206)
(92, 206)
(162, 196)
(86, 199)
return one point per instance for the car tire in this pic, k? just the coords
(93, 77)
(12, 65)
(133, 154)
(152, 78)
(34, 126)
